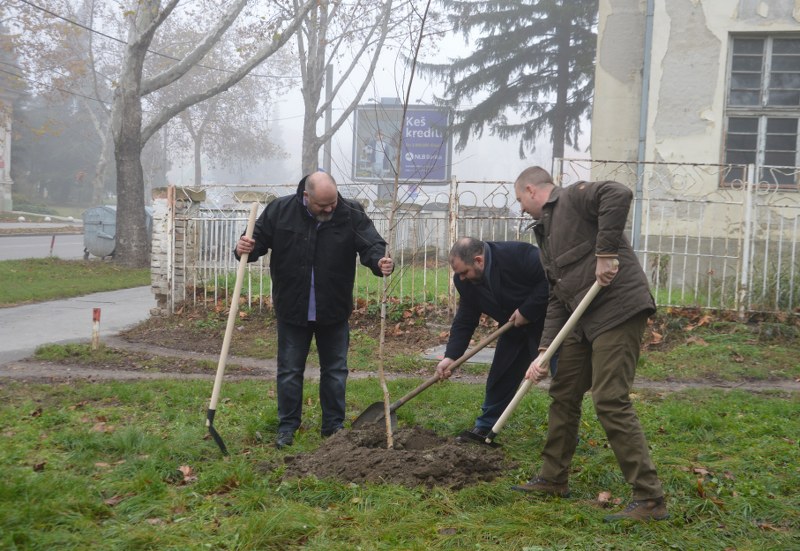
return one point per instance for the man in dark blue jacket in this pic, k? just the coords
(506, 281)
(314, 236)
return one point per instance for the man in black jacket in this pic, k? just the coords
(314, 236)
(506, 281)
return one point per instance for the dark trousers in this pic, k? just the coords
(512, 357)
(606, 366)
(294, 342)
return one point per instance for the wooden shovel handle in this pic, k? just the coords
(234, 307)
(551, 350)
(467, 355)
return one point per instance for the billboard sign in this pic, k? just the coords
(426, 147)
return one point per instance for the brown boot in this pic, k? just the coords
(642, 509)
(539, 485)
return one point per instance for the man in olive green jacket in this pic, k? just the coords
(579, 230)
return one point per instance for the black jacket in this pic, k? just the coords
(516, 281)
(299, 242)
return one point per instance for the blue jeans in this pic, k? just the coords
(294, 342)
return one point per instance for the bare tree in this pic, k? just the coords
(352, 34)
(231, 127)
(61, 61)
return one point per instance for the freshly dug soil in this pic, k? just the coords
(419, 458)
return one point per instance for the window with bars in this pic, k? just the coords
(763, 108)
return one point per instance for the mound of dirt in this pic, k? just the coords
(419, 458)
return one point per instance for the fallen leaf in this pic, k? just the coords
(155, 521)
(102, 465)
(701, 470)
(705, 320)
(37, 412)
(102, 427)
(79, 405)
(447, 531)
(604, 499)
(39, 467)
(115, 499)
(696, 340)
(188, 474)
(718, 502)
(700, 490)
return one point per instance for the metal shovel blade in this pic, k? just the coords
(374, 414)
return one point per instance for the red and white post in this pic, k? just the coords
(95, 328)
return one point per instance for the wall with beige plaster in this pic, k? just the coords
(689, 55)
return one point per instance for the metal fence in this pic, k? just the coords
(704, 239)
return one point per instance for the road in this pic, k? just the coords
(67, 246)
(24, 328)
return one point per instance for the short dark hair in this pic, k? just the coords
(533, 175)
(466, 249)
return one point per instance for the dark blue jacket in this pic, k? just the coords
(299, 242)
(516, 280)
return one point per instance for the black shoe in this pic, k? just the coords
(327, 433)
(284, 439)
(476, 436)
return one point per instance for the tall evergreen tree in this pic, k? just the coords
(534, 58)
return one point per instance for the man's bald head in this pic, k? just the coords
(322, 195)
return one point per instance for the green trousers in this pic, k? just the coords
(606, 366)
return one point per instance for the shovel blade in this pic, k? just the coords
(374, 414)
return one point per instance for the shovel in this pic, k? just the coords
(551, 350)
(226, 343)
(376, 412)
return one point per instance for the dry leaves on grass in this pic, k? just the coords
(188, 474)
(605, 500)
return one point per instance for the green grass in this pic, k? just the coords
(95, 465)
(724, 351)
(40, 279)
(412, 283)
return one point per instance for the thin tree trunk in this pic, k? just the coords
(562, 86)
(198, 167)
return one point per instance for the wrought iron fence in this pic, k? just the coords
(704, 239)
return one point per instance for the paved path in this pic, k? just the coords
(24, 328)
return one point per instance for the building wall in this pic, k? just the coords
(689, 55)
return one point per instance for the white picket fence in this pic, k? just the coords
(703, 241)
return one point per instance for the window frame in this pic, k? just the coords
(763, 113)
